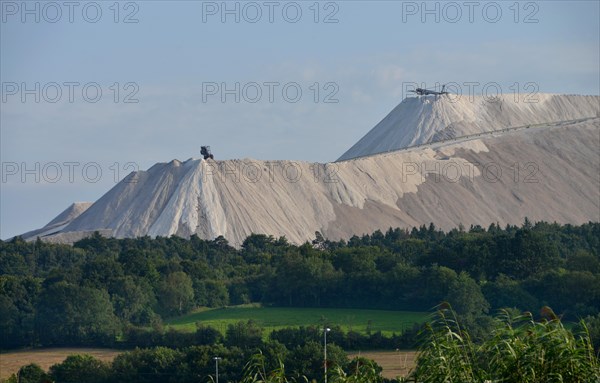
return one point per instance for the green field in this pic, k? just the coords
(271, 318)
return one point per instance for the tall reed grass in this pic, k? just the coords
(518, 350)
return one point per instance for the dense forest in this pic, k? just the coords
(101, 289)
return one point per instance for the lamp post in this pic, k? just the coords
(217, 359)
(325, 331)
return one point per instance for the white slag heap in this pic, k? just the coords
(544, 167)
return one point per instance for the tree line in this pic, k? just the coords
(102, 291)
(518, 349)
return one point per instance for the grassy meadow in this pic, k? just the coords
(273, 318)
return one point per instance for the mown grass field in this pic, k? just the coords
(271, 318)
(10, 362)
(394, 363)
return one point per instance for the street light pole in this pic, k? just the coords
(217, 359)
(325, 331)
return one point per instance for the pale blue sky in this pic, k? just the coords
(170, 52)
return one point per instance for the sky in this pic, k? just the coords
(94, 90)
